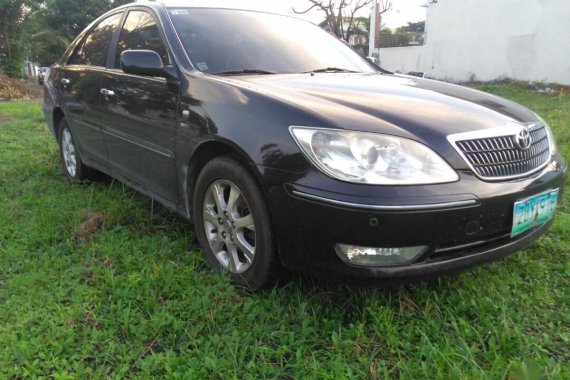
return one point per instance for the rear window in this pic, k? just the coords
(94, 48)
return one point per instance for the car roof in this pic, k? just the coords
(195, 3)
(219, 4)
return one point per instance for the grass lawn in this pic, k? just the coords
(130, 299)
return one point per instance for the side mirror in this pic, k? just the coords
(142, 62)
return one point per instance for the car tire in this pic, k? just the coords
(73, 167)
(233, 224)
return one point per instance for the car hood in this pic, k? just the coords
(400, 105)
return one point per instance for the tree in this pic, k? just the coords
(405, 35)
(341, 19)
(389, 37)
(15, 18)
(69, 17)
(41, 29)
(61, 21)
(339, 15)
(47, 46)
(415, 27)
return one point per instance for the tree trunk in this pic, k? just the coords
(6, 42)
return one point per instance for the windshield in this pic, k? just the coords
(231, 41)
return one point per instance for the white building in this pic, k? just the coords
(486, 40)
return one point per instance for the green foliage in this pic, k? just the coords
(397, 38)
(134, 301)
(46, 45)
(15, 20)
(41, 30)
(13, 65)
(60, 21)
(401, 30)
(411, 34)
(362, 23)
(69, 18)
(414, 27)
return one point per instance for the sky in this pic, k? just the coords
(402, 12)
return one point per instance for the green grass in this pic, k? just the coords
(134, 301)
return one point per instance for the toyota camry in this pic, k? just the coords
(286, 148)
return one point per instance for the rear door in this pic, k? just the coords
(140, 130)
(80, 84)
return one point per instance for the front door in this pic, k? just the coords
(141, 114)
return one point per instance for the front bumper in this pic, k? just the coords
(464, 223)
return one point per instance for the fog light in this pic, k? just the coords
(371, 257)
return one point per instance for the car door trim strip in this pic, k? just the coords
(143, 144)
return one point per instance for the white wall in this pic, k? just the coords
(485, 40)
(402, 59)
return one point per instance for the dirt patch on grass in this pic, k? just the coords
(14, 89)
(91, 226)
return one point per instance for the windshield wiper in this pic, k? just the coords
(244, 72)
(330, 70)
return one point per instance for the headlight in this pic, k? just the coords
(372, 158)
(551, 140)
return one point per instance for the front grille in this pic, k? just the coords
(499, 157)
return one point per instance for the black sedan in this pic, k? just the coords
(287, 148)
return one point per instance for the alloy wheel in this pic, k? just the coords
(69, 155)
(229, 226)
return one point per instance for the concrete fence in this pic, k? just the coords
(486, 40)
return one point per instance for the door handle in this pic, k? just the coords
(65, 81)
(106, 92)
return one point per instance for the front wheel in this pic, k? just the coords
(233, 225)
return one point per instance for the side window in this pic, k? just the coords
(140, 32)
(93, 50)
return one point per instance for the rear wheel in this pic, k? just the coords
(233, 225)
(73, 167)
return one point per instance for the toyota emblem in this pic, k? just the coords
(523, 139)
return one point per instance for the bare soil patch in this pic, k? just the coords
(92, 225)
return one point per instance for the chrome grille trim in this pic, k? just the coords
(493, 154)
